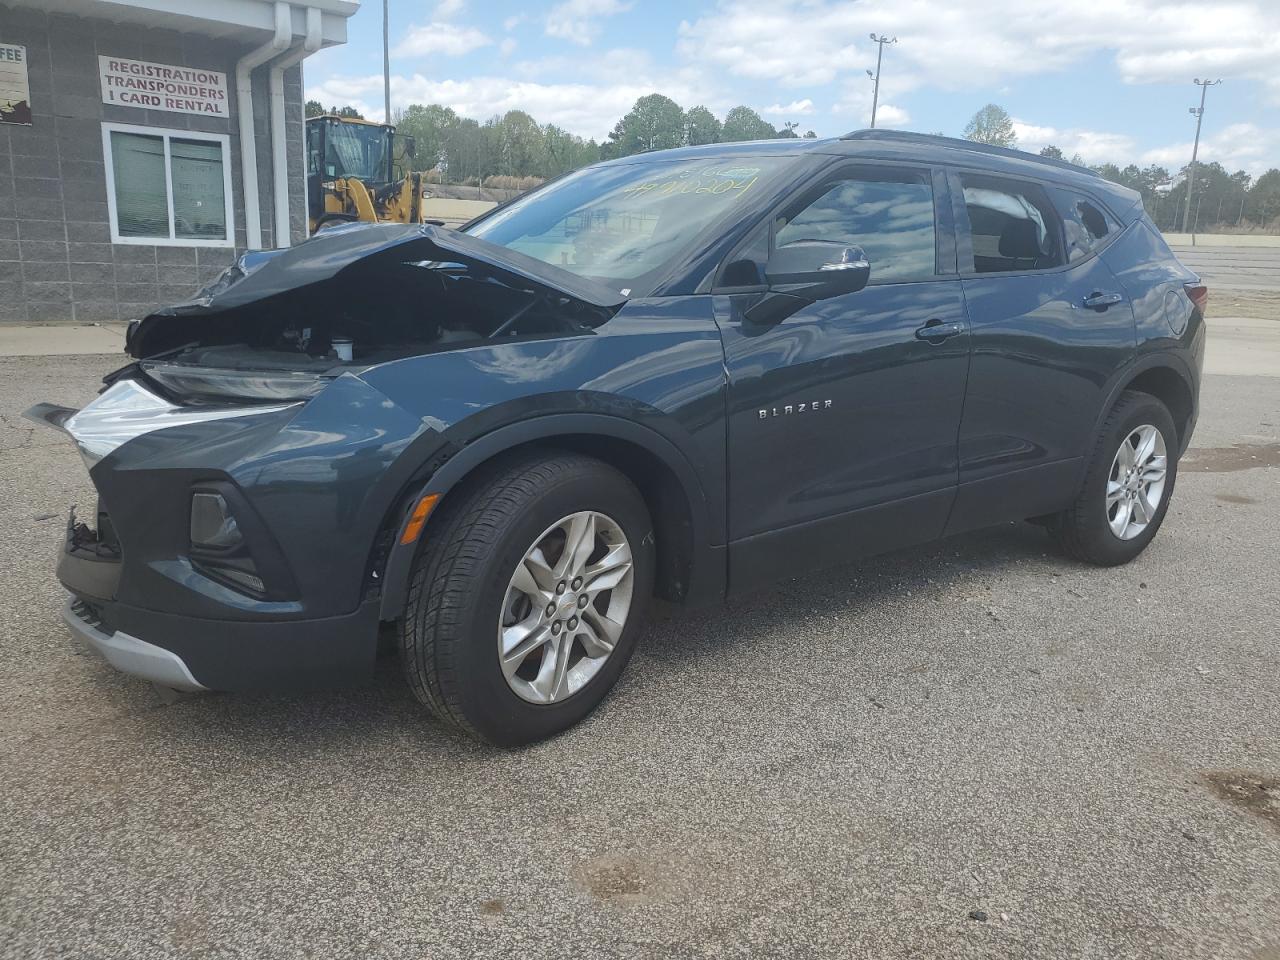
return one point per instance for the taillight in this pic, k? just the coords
(1199, 295)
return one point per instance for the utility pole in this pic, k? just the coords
(875, 77)
(386, 65)
(1204, 86)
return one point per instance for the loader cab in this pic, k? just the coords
(346, 148)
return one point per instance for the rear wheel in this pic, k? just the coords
(1128, 485)
(525, 601)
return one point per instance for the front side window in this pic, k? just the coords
(1011, 226)
(168, 187)
(889, 214)
(623, 224)
(1085, 225)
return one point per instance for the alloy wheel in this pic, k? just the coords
(1136, 482)
(565, 607)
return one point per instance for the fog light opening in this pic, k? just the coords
(212, 525)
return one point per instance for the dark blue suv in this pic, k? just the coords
(682, 373)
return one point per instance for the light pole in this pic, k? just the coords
(386, 66)
(1204, 86)
(875, 97)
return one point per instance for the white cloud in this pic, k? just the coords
(796, 108)
(801, 58)
(856, 103)
(448, 39)
(887, 115)
(962, 45)
(577, 20)
(1240, 146)
(1093, 146)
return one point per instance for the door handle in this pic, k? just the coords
(935, 331)
(1100, 301)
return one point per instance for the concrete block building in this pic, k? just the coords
(157, 140)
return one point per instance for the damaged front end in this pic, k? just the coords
(279, 325)
(244, 466)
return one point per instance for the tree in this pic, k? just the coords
(1051, 152)
(432, 128)
(465, 152)
(315, 108)
(810, 135)
(520, 144)
(743, 123)
(700, 126)
(654, 123)
(992, 125)
(1217, 198)
(1263, 203)
(565, 151)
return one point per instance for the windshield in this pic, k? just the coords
(622, 223)
(356, 150)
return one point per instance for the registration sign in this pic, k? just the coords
(15, 96)
(160, 86)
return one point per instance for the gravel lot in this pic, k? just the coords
(975, 749)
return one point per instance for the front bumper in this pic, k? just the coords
(127, 653)
(240, 656)
(309, 501)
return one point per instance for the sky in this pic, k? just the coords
(1110, 80)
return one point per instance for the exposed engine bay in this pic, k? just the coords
(279, 325)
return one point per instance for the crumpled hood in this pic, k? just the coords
(262, 274)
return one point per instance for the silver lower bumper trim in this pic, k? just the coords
(130, 655)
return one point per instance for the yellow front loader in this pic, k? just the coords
(358, 170)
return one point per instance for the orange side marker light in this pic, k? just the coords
(418, 519)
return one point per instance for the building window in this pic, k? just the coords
(168, 187)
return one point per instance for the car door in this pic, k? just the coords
(843, 416)
(1050, 324)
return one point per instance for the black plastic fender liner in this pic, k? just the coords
(708, 572)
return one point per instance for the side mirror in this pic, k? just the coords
(817, 269)
(803, 272)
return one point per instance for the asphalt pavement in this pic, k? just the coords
(974, 749)
(1250, 268)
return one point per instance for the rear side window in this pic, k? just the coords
(887, 213)
(1086, 225)
(1012, 225)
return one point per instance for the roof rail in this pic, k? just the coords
(905, 136)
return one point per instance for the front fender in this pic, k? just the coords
(458, 467)
(653, 376)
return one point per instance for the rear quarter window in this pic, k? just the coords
(1087, 225)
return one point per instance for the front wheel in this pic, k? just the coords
(525, 601)
(1127, 487)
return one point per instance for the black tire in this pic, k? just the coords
(1083, 530)
(471, 547)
